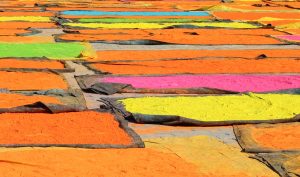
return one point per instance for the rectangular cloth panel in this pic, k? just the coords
(128, 55)
(160, 25)
(60, 51)
(10, 100)
(286, 164)
(255, 16)
(237, 83)
(213, 66)
(106, 13)
(31, 64)
(203, 151)
(25, 25)
(94, 162)
(14, 32)
(289, 38)
(269, 137)
(88, 128)
(24, 18)
(225, 109)
(175, 36)
(26, 39)
(31, 81)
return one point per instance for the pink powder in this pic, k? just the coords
(289, 37)
(240, 83)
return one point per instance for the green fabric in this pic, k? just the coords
(61, 51)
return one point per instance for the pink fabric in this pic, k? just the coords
(240, 83)
(290, 37)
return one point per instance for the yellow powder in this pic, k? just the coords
(211, 157)
(289, 26)
(161, 25)
(219, 108)
(25, 18)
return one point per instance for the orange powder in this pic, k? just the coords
(202, 66)
(36, 64)
(255, 15)
(279, 136)
(14, 100)
(66, 162)
(12, 32)
(26, 39)
(186, 54)
(63, 128)
(25, 25)
(179, 36)
(24, 13)
(31, 81)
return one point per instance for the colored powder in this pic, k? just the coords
(254, 16)
(64, 128)
(13, 32)
(26, 39)
(162, 25)
(35, 64)
(25, 18)
(212, 157)
(279, 136)
(239, 83)
(292, 38)
(15, 100)
(31, 81)
(289, 26)
(138, 20)
(62, 51)
(212, 66)
(103, 13)
(219, 108)
(116, 55)
(214, 36)
(26, 25)
(67, 162)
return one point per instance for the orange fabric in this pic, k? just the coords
(31, 81)
(255, 15)
(25, 25)
(15, 100)
(36, 64)
(180, 36)
(64, 128)
(186, 54)
(43, 14)
(26, 39)
(202, 66)
(12, 32)
(66, 162)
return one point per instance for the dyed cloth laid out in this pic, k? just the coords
(269, 137)
(33, 65)
(161, 25)
(289, 38)
(193, 66)
(286, 164)
(143, 55)
(212, 110)
(203, 151)
(75, 129)
(216, 36)
(189, 83)
(39, 162)
(61, 51)
(105, 13)
(31, 81)
(10, 100)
